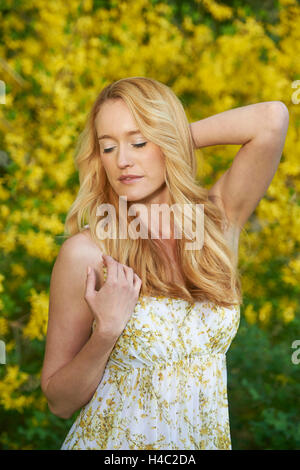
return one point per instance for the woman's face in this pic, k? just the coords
(123, 153)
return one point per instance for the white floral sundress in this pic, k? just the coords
(165, 383)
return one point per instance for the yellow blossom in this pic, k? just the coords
(264, 313)
(39, 245)
(250, 314)
(219, 12)
(1, 282)
(4, 326)
(9, 385)
(37, 325)
(18, 270)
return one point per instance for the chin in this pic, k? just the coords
(132, 198)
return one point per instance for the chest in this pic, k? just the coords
(166, 330)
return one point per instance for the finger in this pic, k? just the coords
(129, 273)
(90, 282)
(111, 267)
(137, 282)
(121, 272)
(101, 272)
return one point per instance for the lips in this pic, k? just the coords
(129, 178)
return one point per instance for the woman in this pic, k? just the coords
(138, 341)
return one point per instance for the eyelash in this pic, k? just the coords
(135, 145)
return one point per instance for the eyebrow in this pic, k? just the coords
(134, 131)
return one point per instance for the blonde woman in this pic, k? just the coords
(139, 326)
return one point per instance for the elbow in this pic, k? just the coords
(54, 410)
(62, 415)
(278, 115)
(59, 413)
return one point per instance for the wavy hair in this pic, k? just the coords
(211, 273)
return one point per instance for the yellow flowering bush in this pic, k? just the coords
(37, 325)
(11, 384)
(56, 57)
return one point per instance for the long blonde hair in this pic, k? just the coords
(211, 273)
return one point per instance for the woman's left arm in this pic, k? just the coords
(261, 129)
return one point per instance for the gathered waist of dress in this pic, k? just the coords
(155, 362)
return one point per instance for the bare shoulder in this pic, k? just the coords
(79, 251)
(81, 240)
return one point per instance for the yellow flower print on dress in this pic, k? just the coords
(165, 383)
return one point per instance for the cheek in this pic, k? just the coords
(106, 165)
(156, 160)
(159, 164)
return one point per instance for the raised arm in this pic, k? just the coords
(261, 129)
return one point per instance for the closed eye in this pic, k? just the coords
(108, 150)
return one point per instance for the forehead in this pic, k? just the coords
(114, 114)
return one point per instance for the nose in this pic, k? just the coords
(124, 158)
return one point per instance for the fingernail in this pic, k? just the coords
(88, 270)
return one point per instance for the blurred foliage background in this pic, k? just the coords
(55, 57)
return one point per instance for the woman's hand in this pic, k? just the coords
(114, 303)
